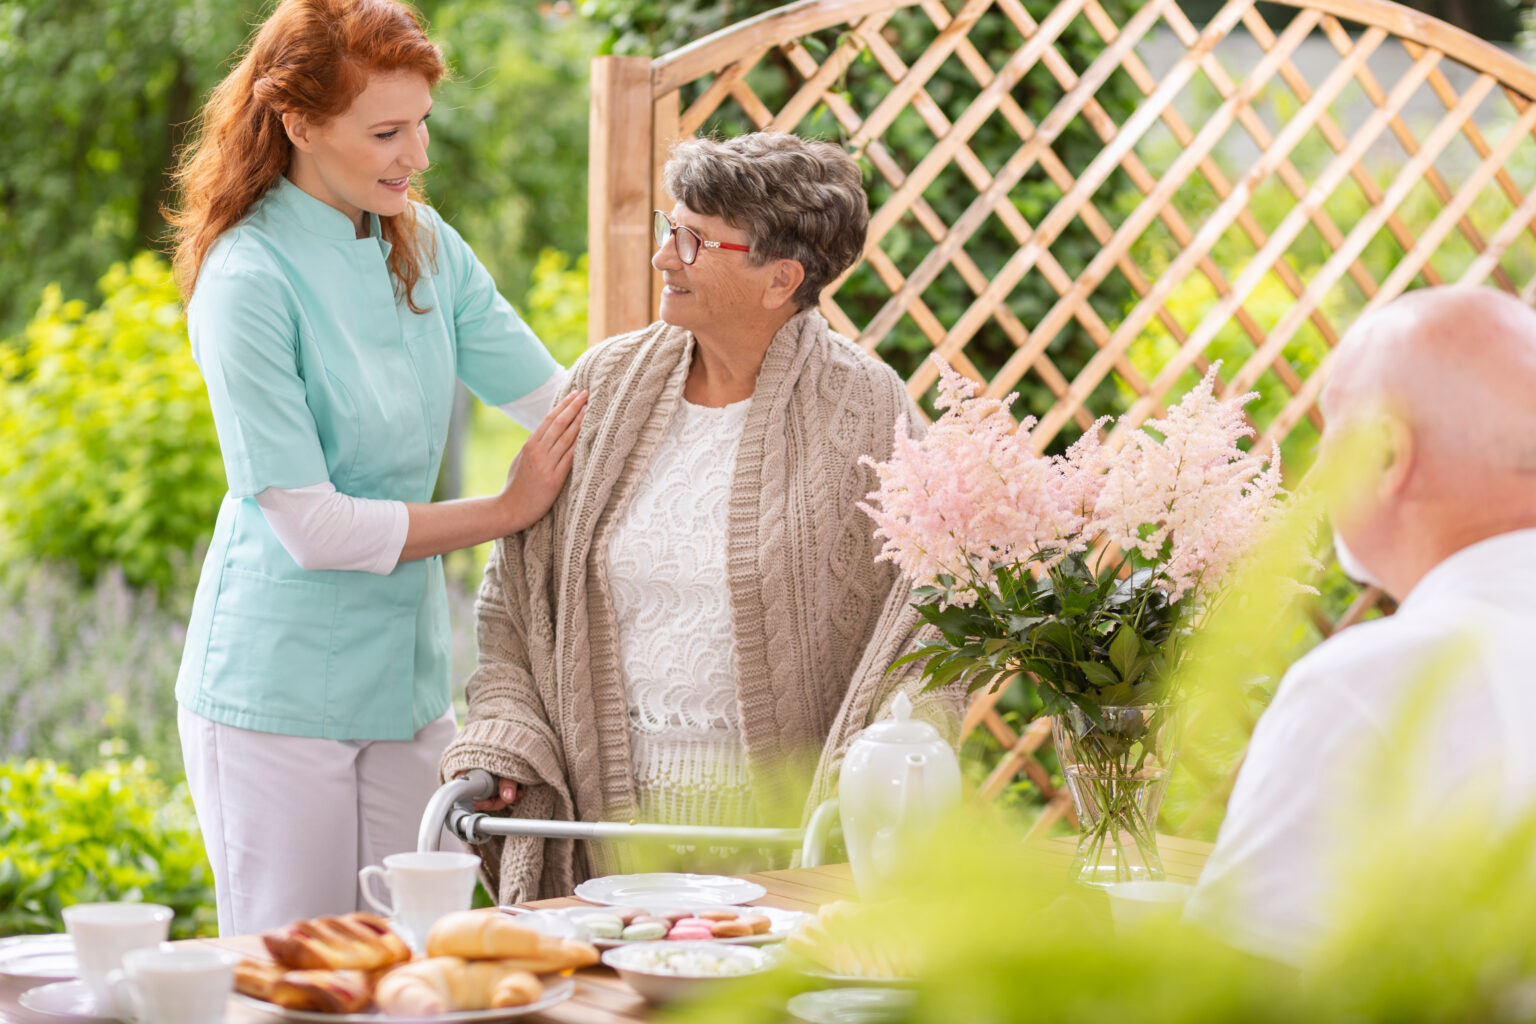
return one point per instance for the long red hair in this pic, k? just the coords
(311, 58)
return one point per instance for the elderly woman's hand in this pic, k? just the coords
(539, 471)
(507, 793)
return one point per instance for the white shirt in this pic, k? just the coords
(671, 602)
(324, 529)
(1336, 744)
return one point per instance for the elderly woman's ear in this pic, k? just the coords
(784, 282)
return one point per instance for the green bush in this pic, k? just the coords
(110, 455)
(82, 666)
(115, 832)
(555, 305)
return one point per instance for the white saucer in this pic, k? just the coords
(39, 957)
(669, 888)
(849, 1005)
(68, 999)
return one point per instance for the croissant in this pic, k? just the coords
(353, 941)
(324, 991)
(481, 935)
(429, 988)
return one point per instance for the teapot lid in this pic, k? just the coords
(901, 727)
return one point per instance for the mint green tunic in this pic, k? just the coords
(316, 371)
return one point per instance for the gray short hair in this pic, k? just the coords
(794, 198)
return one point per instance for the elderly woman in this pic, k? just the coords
(701, 618)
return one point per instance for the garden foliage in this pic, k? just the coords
(99, 96)
(84, 665)
(115, 832)
(649, 27)
(110, 455)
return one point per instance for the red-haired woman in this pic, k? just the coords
(330, 311)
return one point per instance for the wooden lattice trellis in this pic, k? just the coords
(1244, 209)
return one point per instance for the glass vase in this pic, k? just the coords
(1117, 769)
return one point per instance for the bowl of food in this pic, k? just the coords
(670, 972)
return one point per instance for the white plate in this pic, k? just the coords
(44, 957)
(851, 1005)
(780, 924)
(669, 888)
(857, 980)
(69, 999)
(555, 991)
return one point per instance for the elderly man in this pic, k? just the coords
(1439, 389)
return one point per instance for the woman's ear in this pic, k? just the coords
(786, 280)
(297, 130)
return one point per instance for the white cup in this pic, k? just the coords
(422, 888)
(104, 932)
(166, 985)
(1146, 904)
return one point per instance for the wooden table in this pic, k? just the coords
(601, 998)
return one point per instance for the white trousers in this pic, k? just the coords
(288, 821)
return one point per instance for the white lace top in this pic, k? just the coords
(667, 575)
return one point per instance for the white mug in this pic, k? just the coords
(422, 888)
(167, 985)
(104, 932)
(1144, 903)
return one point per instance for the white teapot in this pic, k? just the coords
(898, 776)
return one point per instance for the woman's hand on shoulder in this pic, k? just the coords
(541, 468)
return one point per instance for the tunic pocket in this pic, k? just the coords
(269, 649)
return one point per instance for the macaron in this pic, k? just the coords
(731, 929)
(759, 922)
(644, 931)
(673, 915)
(602, 926)
(678, 934)
(693, 922)
(718, 914)
(628, 914)
(652, 919)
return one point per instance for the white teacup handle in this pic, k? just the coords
(123, 1003)
(366, 875)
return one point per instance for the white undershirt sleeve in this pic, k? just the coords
(323, 529)
(535, 405)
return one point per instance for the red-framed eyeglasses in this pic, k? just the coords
(686, 240)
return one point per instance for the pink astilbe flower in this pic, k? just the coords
(971, 494)
(1195, 495)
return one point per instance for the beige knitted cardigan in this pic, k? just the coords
(815, 619)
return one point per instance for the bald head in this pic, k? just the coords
(1457, 364)
(1444, 382)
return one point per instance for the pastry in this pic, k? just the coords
(319, 990)
(256, 978)
(556, 955)
(429, 988)
(349, 942)
(481, 935)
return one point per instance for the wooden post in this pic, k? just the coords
(665, 131)
(619, 197)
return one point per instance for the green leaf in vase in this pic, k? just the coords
(1125, 652)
